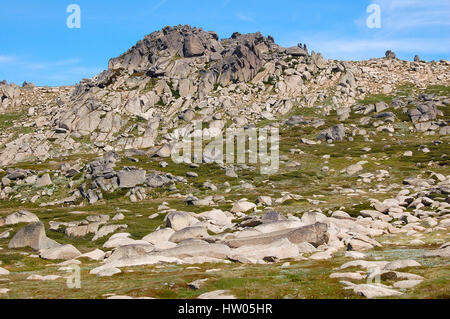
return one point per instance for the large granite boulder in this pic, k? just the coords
(32, 235)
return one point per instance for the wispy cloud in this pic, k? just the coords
(85, 71)
(245, 18)
(36, 65)
(398, 4)
(67, 62)
(65, 70)
(408, 27)
(370, 48)
(159, 4)
(6, 58)
(414, 14)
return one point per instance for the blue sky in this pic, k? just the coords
(37, 46)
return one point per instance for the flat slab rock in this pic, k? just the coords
(281, 249)
(355, 254)
(132, 262)
(21, 217)
(108, 272)
(373, 291)
(316, 235)
(3, 271)
(364, 264)
(407, 284)
(65, 252)
(399, 264)
(442, 252)
(196, 249)
(348, 275)
(125, 297)
(96, 254)
(4, 291)
(43, 278)
(218, 294)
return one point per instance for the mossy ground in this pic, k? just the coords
(303, 279)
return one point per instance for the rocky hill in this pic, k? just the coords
(363, 174)
(179, 74)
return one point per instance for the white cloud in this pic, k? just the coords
(33, 65)
(245, 18)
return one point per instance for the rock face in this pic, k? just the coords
(162, 62)
(33, 235)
